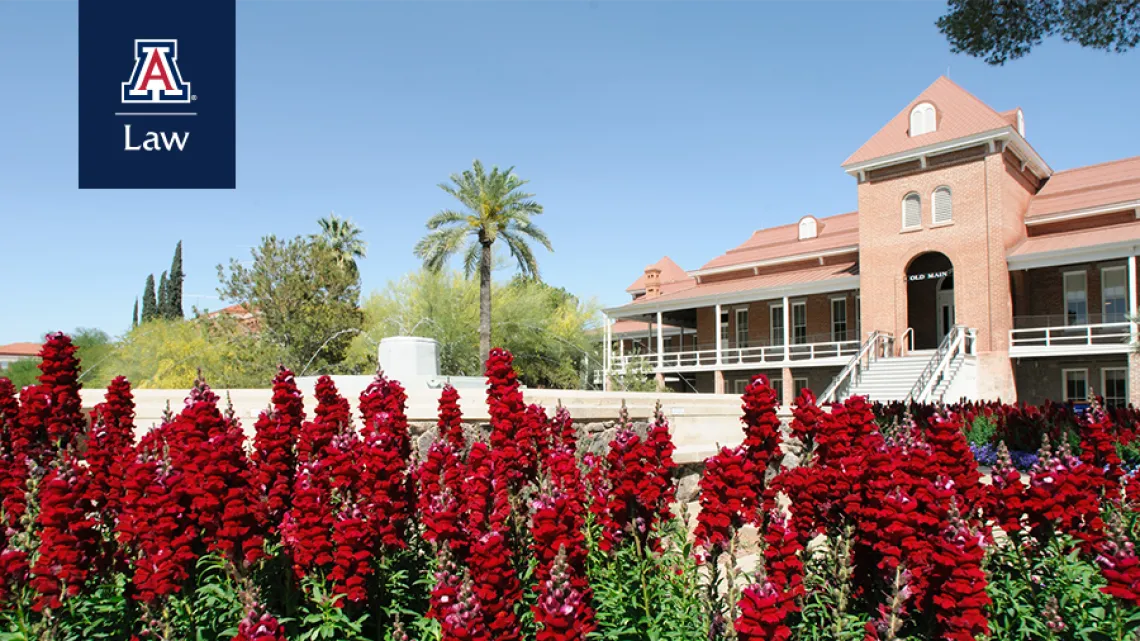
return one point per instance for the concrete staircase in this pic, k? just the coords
(890, 379)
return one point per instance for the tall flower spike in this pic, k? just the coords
(562, 611)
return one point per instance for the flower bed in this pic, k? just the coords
(315, 530)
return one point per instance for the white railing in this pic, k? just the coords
(1097, 337)
(878, 345)
(730, 356)
(959, 341)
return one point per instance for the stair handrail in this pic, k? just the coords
(960, 339)
(906, 341)
(853, 369)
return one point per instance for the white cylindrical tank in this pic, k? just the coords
(408, 357)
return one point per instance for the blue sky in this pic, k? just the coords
(645, 128)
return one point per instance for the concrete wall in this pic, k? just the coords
(699, 421)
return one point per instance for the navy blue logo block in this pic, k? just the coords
(156, 94)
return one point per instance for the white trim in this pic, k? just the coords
(737, 311)
(846, 324)
(1065, 383)
(795, 258)
(1104, 381)
(839, 284)
(796, 386)
(1069, 255)
(772, 307)
(1005, 133)
(798, 303)
(1083, 213)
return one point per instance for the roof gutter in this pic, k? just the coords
(1085, 213)
(1006, 134)
(1069, 255)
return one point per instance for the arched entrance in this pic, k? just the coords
(930, 298)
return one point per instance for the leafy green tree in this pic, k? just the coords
(163, 297)
(494, 208)
(344, 237)
(150, 302)
(167, 354)
(23, 372)
(552, 334)
(306, 297)
(174, 285)
(1003, 30)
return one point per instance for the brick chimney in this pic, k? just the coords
(652, 282)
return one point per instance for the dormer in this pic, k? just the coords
(809, 228)
(923, 119)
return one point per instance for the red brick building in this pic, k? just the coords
(970, 269)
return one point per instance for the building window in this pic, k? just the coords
(1076, 382)
(1114, 294)
(1076, 298)
(742, 327)
(858, 319)
(777, 312)
(912, 211)
(799, 384)
(922, 120)
(777, 385)
(839, 319)
(724, 328)
(1114, 386)
(943, 207)
(739, 385)
(799, 323)
(808, 228)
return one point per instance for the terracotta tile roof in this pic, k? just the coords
(671, 274)
(1088, 187)
(958, 114)
(1074, 239)
(774, 243)
(1010, 117)
(814, 274)
(626, 326)
(20, 349)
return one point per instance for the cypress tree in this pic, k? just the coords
(149, 304)
(174, 284)
(135, 315)
(163, 298)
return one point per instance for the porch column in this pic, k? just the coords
(787, 331)
(660, 343)
(1132, 296)
(718, 382)
(789, 395)
(719, 345)
(607, 355)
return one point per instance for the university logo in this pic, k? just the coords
(156, 78)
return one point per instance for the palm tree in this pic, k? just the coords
(343, 237)
(494, 207)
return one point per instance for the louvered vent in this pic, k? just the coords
(943, 208)
(912, 211)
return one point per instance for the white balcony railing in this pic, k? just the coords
(1096, 338)
(735, 356)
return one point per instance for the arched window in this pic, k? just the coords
(942, 205)
(922, 119)
(808, 228)
(912, 211)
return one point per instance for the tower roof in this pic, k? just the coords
(958, 114)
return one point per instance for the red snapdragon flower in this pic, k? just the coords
(724, 492)
(761, 431)
(305, 528)
(382, 410)
(1062, 497)
(495, 584)
(1098, 450)
(60, 380)
(332, 415)
(451, 419)
(259, 625)
(515, 456)
(763, 614)
(109, 442)
(563, 611)
(959, 588)
(1119, 565)
(640, 483)
(69, 542)
(806, 416)
(1005, 493)
(952, 459)
(274, 456)
(782, 561)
